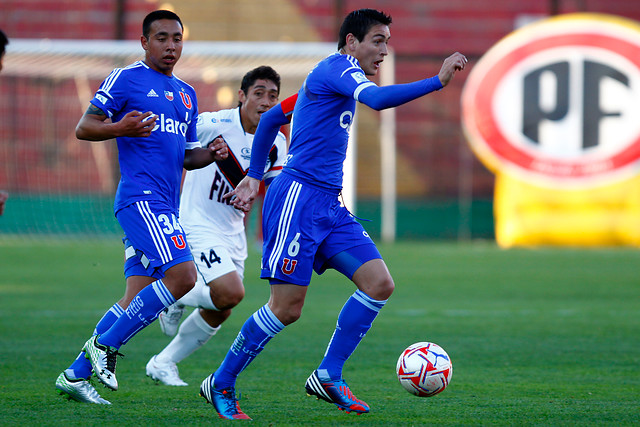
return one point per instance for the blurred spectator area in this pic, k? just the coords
(434, 162)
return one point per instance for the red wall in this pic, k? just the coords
(423, 33)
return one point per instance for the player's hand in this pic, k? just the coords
(136, 124)
(245, 194)
(219, 148)
(455, 62)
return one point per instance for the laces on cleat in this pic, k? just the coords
(112, 355)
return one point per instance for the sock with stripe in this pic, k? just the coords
(256, 332)
(143, 309)
(81, 367)
(355, 320)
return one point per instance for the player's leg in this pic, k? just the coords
(219, 260)
(219, 387)
(159, 243)
(349, 250)
(74, 381)
(375, 286)
(199, 327)
(287, 301)
(287, 261)
(354, 321)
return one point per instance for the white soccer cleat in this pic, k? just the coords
(103, 361)
(80, 390)
(166, 373)
(169, 319)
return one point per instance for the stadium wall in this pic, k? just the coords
(435, 167)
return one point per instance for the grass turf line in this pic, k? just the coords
(537, 337)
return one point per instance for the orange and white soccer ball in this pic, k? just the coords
(424, 369)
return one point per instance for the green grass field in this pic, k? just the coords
(537, 337)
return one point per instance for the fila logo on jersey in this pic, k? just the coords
(289, 265)
(219, 188)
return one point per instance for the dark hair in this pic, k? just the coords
(359, 22)
(3, 42)
(263, 72)
(155, 16)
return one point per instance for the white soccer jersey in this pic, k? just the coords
(201, 205)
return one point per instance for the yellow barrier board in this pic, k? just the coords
(552, 110)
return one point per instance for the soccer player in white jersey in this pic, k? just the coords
(305, 227)
(214, 229)
(152, 114)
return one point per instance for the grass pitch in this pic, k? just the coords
(537, 337)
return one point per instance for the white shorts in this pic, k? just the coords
(214, 255)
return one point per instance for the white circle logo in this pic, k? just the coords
(556, 102)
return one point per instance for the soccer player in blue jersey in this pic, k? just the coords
(305, 227)
(152, 114)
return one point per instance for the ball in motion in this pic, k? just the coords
(424, 369)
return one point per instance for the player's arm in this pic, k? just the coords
(199, 157)
(383, 97)
(93, 125)
(246, 191)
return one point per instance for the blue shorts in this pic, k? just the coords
(154, 240)
(305, 229)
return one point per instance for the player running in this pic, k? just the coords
(214, 229)
(305, 227)
(152, 114)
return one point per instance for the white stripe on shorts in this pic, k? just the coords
(155, 231)
(284, 224)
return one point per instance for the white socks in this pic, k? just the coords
(193, 333)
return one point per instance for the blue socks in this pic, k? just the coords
(256, 332)
(81, 367)
(355, 319)
(143, 309)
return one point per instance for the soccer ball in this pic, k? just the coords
(424, 369)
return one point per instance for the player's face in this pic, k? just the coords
(164, 46)
(370, 52)
(260, 97)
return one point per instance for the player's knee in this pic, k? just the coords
(382, 288)
(289, 315)
(235, 296)
(229, 298)
(180, 279)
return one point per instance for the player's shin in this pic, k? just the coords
(193, 333)
(355, 319)
(143, 309)
(81, 367)
(256, 332)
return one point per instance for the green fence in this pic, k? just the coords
(88, 216)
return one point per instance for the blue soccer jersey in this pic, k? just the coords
(151, 167)
(321, 120)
